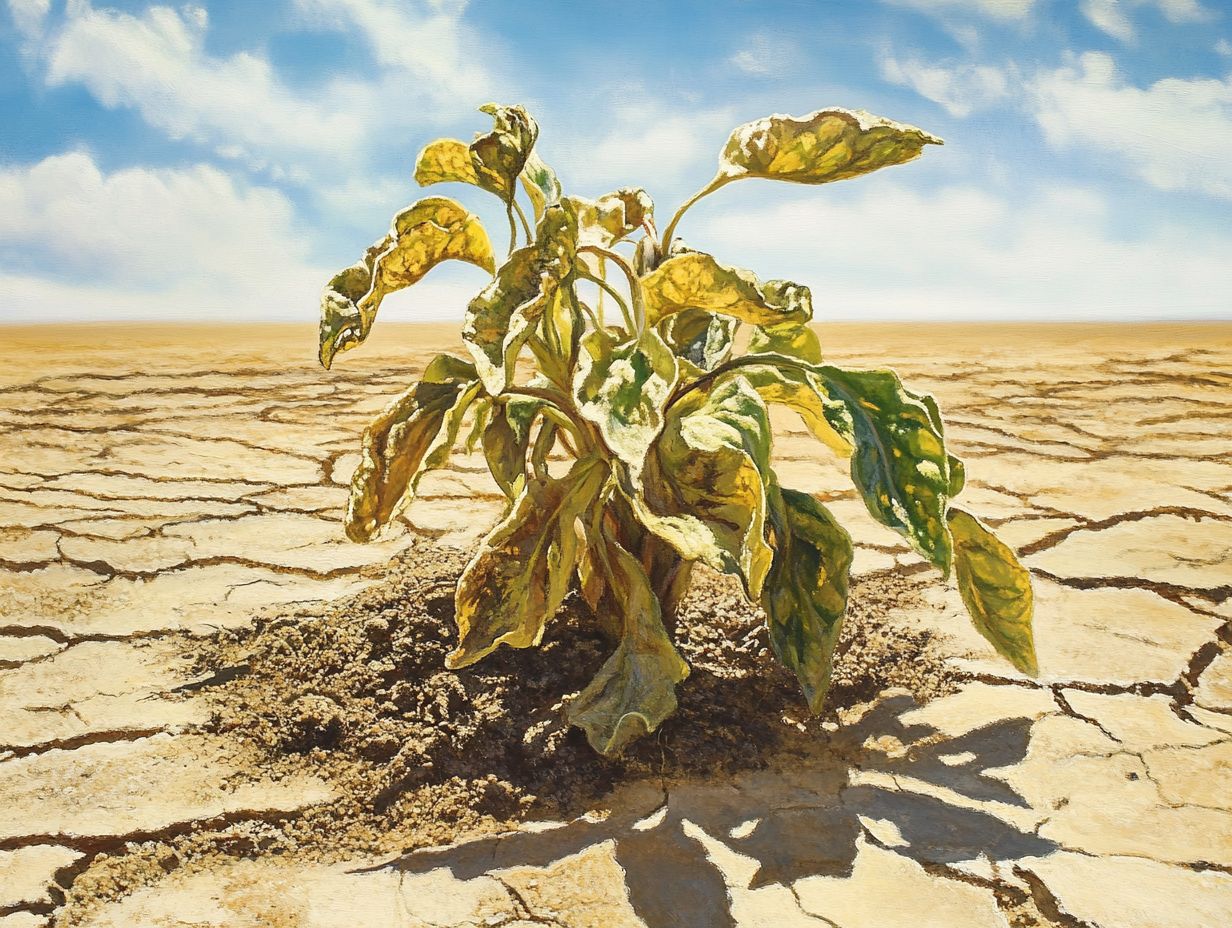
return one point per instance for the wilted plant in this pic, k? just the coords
(664, 423)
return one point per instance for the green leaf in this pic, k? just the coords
(635, 689)
(996, 589)
(622, 388)
(958, 471)
(500, 320)
(705, 485)
(792, 340)
(423, 235)
(540, 183)
(900, 465)
(824, 146)
(493, 161)
(414, 434)
(694, 280)
(701, 338)
(520, 575)
(806, 592)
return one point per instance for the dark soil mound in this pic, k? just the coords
(356, 691)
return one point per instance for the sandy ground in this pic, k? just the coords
(155, 483)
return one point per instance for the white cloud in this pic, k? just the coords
(1003, 10)
(642, 138)
(1112, 17)
(426, 40)
(959, 88)
(763, 55)
(1176, 134)
(29, 16)
(962, 253)
(150, 242)
(1109, 16)
(1223, 47)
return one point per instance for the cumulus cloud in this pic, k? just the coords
(1003, 10)
(1175, 134)
(958, 87)
(78, 242)
(963, 253)
(29, 16)
(158, 63)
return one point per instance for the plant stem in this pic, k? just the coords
(530, 236)
(635, 286)
(711, 187)
(560, 411)
(749, 360)
(513, 229)
(604, 286)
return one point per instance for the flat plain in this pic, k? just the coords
(160, 484)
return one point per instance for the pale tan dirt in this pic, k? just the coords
(161, 486)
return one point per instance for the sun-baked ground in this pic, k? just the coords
(158, 490)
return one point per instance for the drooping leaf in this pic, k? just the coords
(701, 338)
(613, 216)
(414, 434)
(805, 596)
(824, 146)
(423, 235)
(635, 689)
(516, 581)
(493, 161)
(694, 280)
(540, 183)
(705, 484)
(800, 391)
(996, 589)
(900, 465)
(958, 472)
(789, 339)
(622, 388)
(503, 316)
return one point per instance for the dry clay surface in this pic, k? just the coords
(156, 487)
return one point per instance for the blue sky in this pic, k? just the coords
(220, 160)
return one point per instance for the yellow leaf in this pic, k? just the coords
(824, 146)
(695, 280)
(445, 161)
(705, 484)
(493, 161)
(423, 235)
(613, 216)
(412, 435)
(996, 589)
(635, 689)
(520, 575)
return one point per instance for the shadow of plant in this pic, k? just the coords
(800, 817)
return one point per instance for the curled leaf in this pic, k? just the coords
(793, 340)
(613, 216)
(806, 592)
(824, 146)
(493, 161)
(701, 338)
(996, 589)
(520, 575)
(635, 689)
(623, 388)
(411, 436)
(694, 280)
(540, 183)
(502, 317)
(423, 235)
(705, 486)
(801, 392)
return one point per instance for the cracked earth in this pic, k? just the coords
(156, 487)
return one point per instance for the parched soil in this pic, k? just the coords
(357, 691)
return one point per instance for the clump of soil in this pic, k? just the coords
(356, 692)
